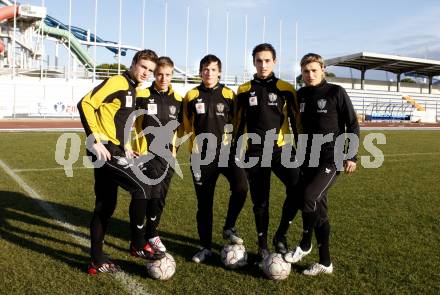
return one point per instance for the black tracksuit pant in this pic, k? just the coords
(259, 182)
(108, 178)
(204, 184)
(154, 169)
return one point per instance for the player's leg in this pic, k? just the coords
(259, 184)
(238, 185)
(290, 178)
(140, 191)
(317, 181)
(204, 187)
(156, 205)
(322, 233)
(105, 204)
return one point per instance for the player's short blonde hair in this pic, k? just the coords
(312, 57)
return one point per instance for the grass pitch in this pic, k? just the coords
(385, 228)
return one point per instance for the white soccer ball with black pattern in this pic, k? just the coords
(162, 269)
(275, 267)
(234, 256)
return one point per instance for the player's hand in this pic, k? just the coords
(349, 166)
(101, 151)
(131, 154)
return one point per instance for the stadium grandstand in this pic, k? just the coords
(32, 89)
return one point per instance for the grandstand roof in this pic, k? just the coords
(391, 63)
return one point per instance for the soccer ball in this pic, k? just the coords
(275, 267)
(162, 269)
(234, 256)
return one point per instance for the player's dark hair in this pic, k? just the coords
(264, 47)
(207, 59)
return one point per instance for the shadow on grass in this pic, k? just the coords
(17, 208)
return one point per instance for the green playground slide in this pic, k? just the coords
(75, 46)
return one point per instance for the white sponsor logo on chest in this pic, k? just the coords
(152, 109)
(253, 101)
(200, 108)
(128, 101)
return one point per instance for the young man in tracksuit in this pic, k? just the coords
(104, 114)
(265, 105)
(326, 110)
(161, 106)
(208, 114)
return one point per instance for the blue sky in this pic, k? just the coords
(330, 28)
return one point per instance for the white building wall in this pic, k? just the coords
(31, 97)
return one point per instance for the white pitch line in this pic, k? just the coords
(131, 285)
(62, 168)
(46, 169)
(411, 154)
(188, 164)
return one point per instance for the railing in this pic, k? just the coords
(21, 94)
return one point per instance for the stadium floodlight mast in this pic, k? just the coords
(296, 54)
(13, 43)
(227, 47)
(245, 46)
(280, 49)
(95, 21)
(165, 29)
(187, 44)
(264, 29)
(120, 37)
(69, 59)
(42, 44)
(207, 32)
(143, 25)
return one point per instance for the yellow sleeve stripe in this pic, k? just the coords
(228, 93)
(113, 84)
(142, 93)
(244, 87)
(177, 96)
(284, 86)
(192, 94)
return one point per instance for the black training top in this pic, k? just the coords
(266, 104)
(325, 109)
(208, 110)
(161, 107)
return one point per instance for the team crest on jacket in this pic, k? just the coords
(273, 99)
(220, 109)
(173, 110)
(321, 105)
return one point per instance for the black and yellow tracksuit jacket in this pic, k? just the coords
(105, 109)
(265, 104)
(161, 107)
(208, 110)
